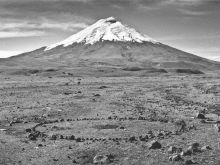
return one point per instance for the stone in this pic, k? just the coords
(175, 158)
(33, 136)
(78, 139)
(160, 134)
(103, 87)
(180, 125)
(187, 162)
(99, 159)
(200, 116)
(203, 121)
(143, 138)
(53, 137)
(194, 147)
(186, 153)
(217, 127)
(40, 145)
(72, 137)
(28, 130)
(172, 150)
(204, 148)
(96, 95)
(74, 161)
(132, 139)
(62, 120)
(154, 145)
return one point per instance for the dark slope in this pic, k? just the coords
(112, 56)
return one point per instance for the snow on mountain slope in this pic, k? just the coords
(108, 29)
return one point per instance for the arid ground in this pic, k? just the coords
(49, 120)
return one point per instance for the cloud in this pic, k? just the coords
(30, 29)
(193, 12)
(190, 38)
(8, 53)
(62, 26)
(27, 18)
(212, 53)
(73, 15)
(14, 34)
(20, 26)
(78, 6)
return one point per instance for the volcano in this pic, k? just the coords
(109, 47)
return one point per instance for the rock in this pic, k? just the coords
(28, 130)
(67, 93)
(40, 145)
(78, 139)
(99, 159)
(203, 121)
(160, 134)
(144, 138)
(200, 116)
(186, 153)
(154, 145)
(217, 127)
(204, 148)
(72, 137)
(74, 161)
(33, 136)
(194, 147)
(103, 87)
(53, 137)
(172, 149)
(62, 120)
(187, 162)
(175, 158)
(192, 127)
(96, 95)
(132, 139)
(180, 125)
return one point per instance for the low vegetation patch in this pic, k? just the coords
(107, 126)
(189, 71)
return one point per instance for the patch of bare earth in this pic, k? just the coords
(125, 120)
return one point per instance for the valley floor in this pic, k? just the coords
(65, 120)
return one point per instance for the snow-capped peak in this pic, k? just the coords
(109, 29)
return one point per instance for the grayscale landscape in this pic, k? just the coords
(109, 95)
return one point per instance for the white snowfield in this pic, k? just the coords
(108, 29)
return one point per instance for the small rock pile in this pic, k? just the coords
(179, 153)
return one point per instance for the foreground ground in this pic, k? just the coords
(65, 120)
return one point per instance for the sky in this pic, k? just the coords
(190, 25)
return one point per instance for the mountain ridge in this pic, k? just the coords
(92, 56)
(109, 29)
